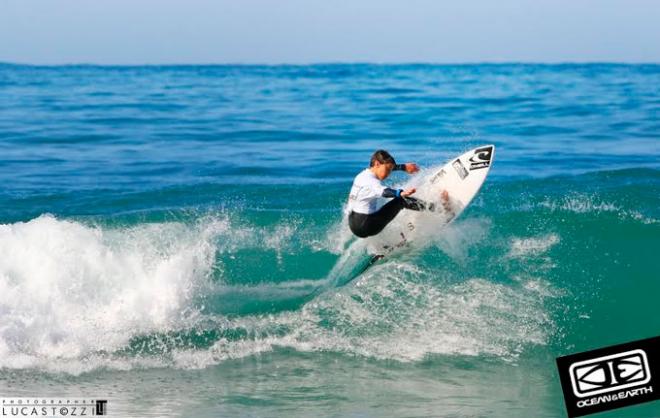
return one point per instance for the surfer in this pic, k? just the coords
(364, 218)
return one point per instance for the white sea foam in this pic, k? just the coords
(391, 317)
(68, 289)
(386, 316)
(522, 247)
(458, 238)
(582, 203)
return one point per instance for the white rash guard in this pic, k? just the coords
(365, 192)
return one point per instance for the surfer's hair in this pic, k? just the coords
(382, 157)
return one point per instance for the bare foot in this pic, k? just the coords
(445, 200)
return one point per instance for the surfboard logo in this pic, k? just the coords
(440, 174)
(460, 169)
(481, 158)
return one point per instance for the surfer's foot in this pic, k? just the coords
(444, 196)
(413, 204)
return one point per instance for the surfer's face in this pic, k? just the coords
(382, 170)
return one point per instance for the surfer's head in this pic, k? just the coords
(382, 164)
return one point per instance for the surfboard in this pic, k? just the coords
(461, 177)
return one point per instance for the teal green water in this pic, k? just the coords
(167, 237)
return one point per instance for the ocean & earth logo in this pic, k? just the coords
(609, 373)
(610, 377)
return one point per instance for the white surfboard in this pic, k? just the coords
(461, 177)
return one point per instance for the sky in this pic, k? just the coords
(315, 31)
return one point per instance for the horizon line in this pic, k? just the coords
(332, 63)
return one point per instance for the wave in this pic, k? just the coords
(197, 290)
(77, 296)
(68, 290)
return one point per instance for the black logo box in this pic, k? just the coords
(650, 346)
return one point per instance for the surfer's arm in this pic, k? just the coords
(409, 168)
(388, 192)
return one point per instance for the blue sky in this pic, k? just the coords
(308, 31)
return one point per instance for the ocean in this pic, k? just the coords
(163, 231)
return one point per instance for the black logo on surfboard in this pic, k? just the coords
(481, 158)
(460, 169)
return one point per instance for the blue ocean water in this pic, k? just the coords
(162, 231)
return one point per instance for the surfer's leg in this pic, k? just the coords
(358, 224)
(388, 212)
(414, 204)
(367, 225)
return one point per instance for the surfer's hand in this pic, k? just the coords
(411, 168)
(408, 192)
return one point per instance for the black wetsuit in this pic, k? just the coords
(364, 225)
